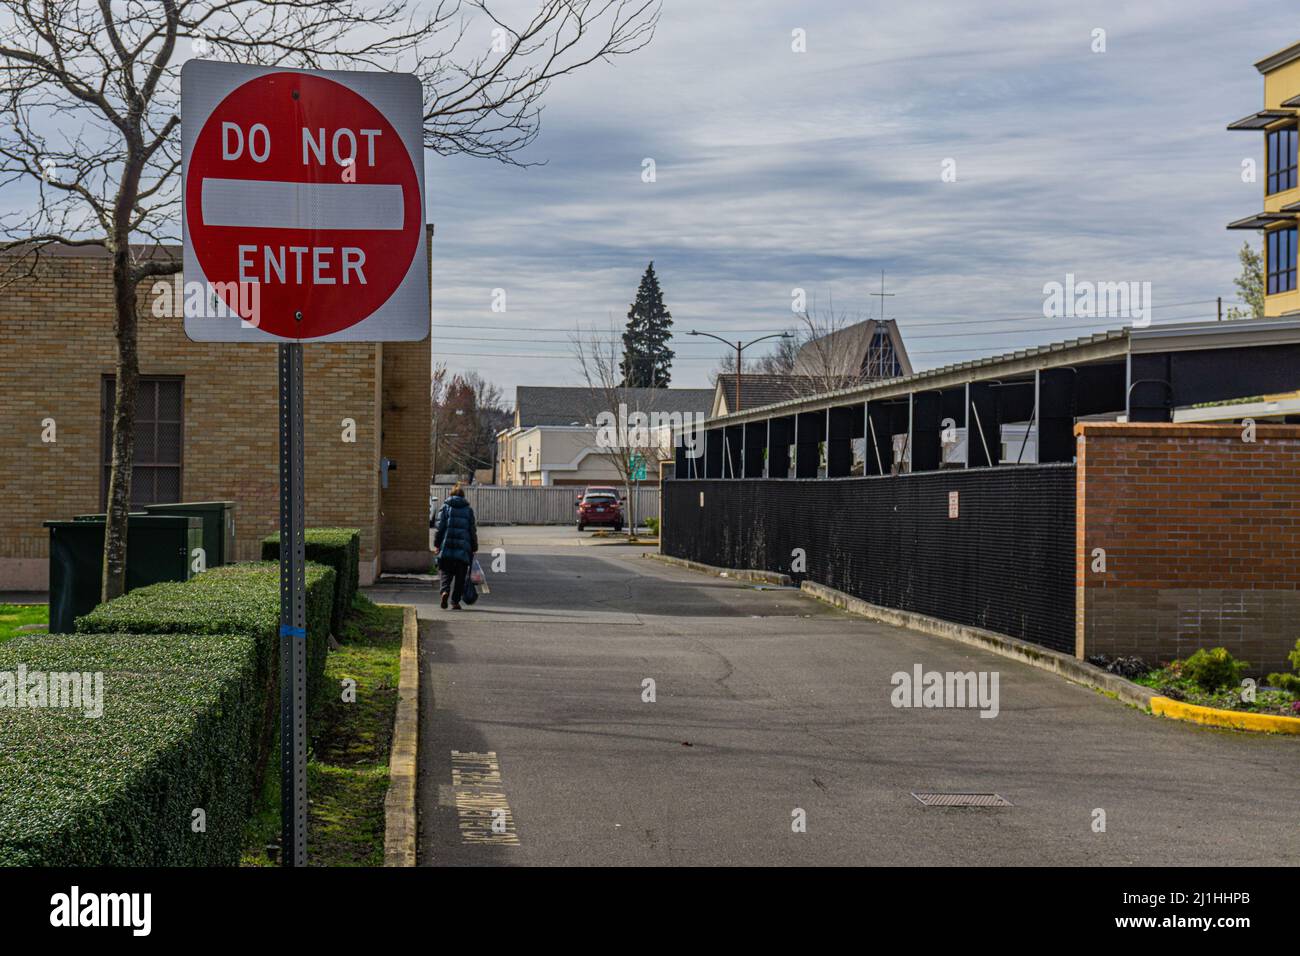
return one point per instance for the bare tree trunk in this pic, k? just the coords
(127, 385)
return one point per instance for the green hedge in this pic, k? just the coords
(120, 789)
(191, 705)
(234, 599)
(340, 548)
(237, 599)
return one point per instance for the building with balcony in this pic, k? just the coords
(1277, 121)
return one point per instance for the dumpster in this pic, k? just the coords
(158, 548)
(218, 526)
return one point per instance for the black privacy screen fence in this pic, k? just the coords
(1005, 562)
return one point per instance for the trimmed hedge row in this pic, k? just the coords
(340, 549)
(121, 789)
(190, 712)
(234, 599)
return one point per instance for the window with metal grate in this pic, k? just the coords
(159, 439)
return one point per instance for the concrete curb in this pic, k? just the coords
(745, 574)
(1064, 665)
(1231, 719)
(399, 803)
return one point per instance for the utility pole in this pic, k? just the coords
(738, 351)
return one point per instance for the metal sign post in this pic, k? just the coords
(636, 465)
(303, 221)
(293, 614)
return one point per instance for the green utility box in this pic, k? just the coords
(218, 526)
(158, 548)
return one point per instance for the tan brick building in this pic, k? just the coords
(208, 426)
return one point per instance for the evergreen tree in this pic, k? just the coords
(646, 355)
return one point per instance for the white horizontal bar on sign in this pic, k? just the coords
(286, 205)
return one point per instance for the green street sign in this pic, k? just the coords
(636, 467)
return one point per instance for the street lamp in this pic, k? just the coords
(739, 347)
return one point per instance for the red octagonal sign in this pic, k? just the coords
(303, 205)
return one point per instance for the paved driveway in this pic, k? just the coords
(768, 703)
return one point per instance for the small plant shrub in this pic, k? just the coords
(1213, 669)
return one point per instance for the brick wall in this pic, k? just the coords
(406, 415)
(1201, 533)
(407, 423)
(56, 337)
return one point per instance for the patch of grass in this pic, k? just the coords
(360, 732)
(368, 621)
(346, 825)
(347, 770)
(14, 616)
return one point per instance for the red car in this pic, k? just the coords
(600, 506)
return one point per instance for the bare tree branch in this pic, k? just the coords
(822, 357)
(90, 120)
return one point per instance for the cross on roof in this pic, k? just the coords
(882, 295)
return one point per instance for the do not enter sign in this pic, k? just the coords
(303, 205)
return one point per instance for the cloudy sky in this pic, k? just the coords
(778, 170)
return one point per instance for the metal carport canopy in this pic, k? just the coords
(1113, 346)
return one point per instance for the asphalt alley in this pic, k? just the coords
(538, 748)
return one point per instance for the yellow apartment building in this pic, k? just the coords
(1278, 122)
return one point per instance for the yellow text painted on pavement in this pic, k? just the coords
(482, 810)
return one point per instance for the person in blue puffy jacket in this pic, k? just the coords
(455, 539)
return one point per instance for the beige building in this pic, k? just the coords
(207, 423)
(554, 438)
(554, 455)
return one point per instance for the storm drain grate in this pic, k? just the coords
(930, 799)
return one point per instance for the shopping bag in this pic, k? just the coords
(476, 573)
(471, 592)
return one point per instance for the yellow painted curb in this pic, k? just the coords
(400, 826)
(1233, 719)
